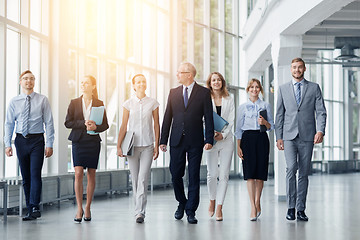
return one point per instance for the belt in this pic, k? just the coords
(31, 135)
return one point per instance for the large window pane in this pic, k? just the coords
(148, 40)
(185, 9)
(214, 51)
(13, 10)
(111, 102)
(165, 4)
(112, 159)
(199, 10)
(337, 130)
(2, 8)
(35, 15)
(229, 58)
(111, 22)
(91, 24)
(162, 41)
(229, 8)
(199, 52)
(12, 64)
(72, 74)
(72, 18)
(35, 62)
(91, 66)
(184, 41)
(214, 13)
(356, 136)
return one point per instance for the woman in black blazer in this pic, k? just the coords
(85, 147)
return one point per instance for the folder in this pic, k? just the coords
(96, 115)
(127, 145)
(263, 113)
(219, 122)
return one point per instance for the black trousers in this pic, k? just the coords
(178, 156)
(30, 152)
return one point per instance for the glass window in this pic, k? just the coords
(72, 83)
(199, 10)
(214, 13)
(12, 64)
(229, 14)
(162, 41)
(148, 39)
(214, 51)
(91, 66)
(184, 41)
(35, 62)
(112, 159)
(111, 102)
(356, 136)
(185, 9)
(229, 58)
(72, 17)
(91, 24)
(111, 30)
(2, 8)
(13, 10)
(165, 4)
(35, 15)
(199, 52)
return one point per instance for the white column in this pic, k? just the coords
(283, 50)
(58, 77)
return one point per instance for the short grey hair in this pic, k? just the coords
(190, 67)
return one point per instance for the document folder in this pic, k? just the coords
(127, 144)
(96, 115)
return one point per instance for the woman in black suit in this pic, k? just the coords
(85, 147)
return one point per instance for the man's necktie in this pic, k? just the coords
(26, 116)
(186, 97)
(298, 93)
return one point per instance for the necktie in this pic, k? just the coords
(298, 93)
(26, 116)
(186, 97)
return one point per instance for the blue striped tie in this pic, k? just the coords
(186, 97)
(26, 116)
(298, 93)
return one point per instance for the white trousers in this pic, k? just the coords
(221, 153)
(139, 165)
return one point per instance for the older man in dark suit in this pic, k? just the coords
(187, 106)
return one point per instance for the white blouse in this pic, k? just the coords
(141, 119)
(86, 111)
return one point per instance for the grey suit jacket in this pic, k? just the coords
(306, 119)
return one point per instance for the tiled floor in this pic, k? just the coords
(332, 206)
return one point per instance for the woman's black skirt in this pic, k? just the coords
(86, 154)
(255, 146)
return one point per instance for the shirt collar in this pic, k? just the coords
(140, 100)
(190, 87)
(257, 102)
(31, 95)
(301, 82)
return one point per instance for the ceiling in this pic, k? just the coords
(344, 23)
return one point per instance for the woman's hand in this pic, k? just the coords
(156, 153)
(119, 152)
(218, 136)
(90, 125)
(240, 153)
(262, 121)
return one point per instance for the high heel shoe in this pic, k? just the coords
(219, 215)
(258, 214)
(78, 220)
(87, 219)
(212, 208)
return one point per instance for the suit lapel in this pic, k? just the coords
(224, 102)
(291, 86)
(79, 106)
(178, 96)
(193, 93)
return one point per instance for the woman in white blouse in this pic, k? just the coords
(222, 151)
(253, 145)
(140, 115)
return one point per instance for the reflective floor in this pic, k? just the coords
(332, 207)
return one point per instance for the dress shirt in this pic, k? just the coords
(190, 88)
(301, 87)
(86, 111)
(248, 114)
(140, 119)
(40, 114)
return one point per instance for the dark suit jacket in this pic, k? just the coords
(75, 120)
(188, 121)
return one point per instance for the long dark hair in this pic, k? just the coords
(93, 82)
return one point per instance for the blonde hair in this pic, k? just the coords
(258, 83)
(224, 91)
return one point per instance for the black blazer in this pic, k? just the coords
(188, 121)
(75, 120)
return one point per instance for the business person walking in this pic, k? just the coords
(141, 113)
(253, 146)
(219, 157)
(187, 105)
(31, 112)
(85, 147)
(300, 123)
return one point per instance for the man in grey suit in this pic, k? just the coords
(300, 123)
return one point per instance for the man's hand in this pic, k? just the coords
(8, 151)
(208, 146)
(280, 144)
(163, 147)
(319, 137)
(48, 152)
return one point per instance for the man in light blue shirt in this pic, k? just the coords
(28, 113)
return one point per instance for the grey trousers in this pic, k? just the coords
(139, 165)
(298, 156)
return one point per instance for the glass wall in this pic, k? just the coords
(25, 35)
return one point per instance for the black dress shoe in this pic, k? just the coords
(87, 219)
(179, 214)
(192, 220)
(290, 214)
(29, 217)
(78, 220)
(36, 212)
(302, 216)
